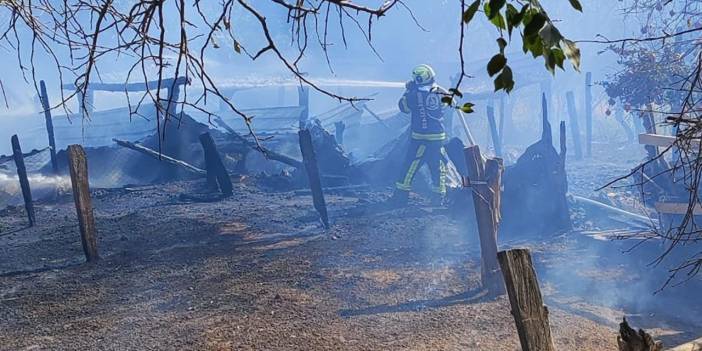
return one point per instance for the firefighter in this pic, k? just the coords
(423, 100)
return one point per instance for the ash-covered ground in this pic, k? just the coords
(257, 272)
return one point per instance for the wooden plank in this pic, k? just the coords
(486, 208)
(270, 154)
(49, 125)
(215, 168)
(660, 140)
(493, 131)
(678, 208)
(530, 314)
(24, 181)
(574, 127)
(78, 166)
(159, 156)
(132, 87)
(310, 161)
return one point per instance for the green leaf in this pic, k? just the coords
(237, 47)
(493, 7)
(535, 24)
(496, 64)
(576, 5)
(470, 12)
(533, 44)
(447, 100)
(514, 18)
(499, 21)
(467, 107)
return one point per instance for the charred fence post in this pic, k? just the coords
(486, 199)
(574, 128)
(217, 175)
(78, 166)
(493, 131)
(49, 125)
(588, 112)
(530, 314)
(24, 181)
(304, 102)
(310, 160)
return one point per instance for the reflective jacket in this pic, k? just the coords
(427, 110)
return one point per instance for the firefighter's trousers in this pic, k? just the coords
(420, 152)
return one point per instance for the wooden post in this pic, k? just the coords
(78, 165)
(339, 128)
(649, 124)
(564, 147)
(547, 94)
(216, 172)
(574, 128)
(304, 102)
(310, 160)
(493, 131)
(588, 113)
(486, 185)
(530, 314)
(49, 125)
(23, 180)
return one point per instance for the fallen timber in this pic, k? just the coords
(159, 156)
(5, 159)
(272, 155)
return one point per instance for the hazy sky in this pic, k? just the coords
(398, 40)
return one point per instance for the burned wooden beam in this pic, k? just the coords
(310, 161)
(49, 125)
(530, 314)
(5, 159)
(23, 180)
(216, 172)
(633, 340)
(159, 156)
(304, 102)
(78, 166)
(266, 152)
(486, 204)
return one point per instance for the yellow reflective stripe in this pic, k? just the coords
(407, 182)
(442, 178)
(420, 151)
(405, 106)
(429, 137)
